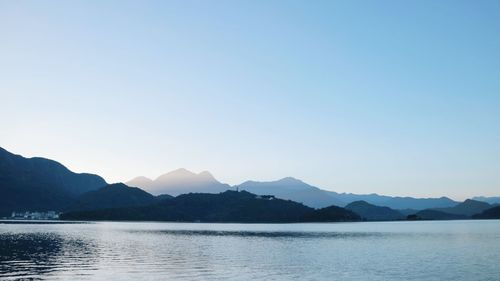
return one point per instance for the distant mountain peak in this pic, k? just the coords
(140, 181)
(141, 178)
(207, 175)
(471, 202)
(181, 172)
(468, 208)
(292, 189)
(181, 181)
(290, 180)
(183, 175)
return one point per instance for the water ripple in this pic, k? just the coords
(130, 251)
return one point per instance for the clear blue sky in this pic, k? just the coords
(393, 97)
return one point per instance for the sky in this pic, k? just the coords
(389, 97)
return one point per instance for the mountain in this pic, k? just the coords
(374, 213)
(373, 198)
(179, 182)
(292, 189)
(296, 190)
(39, 184)
(467, 208)
(430, 214)
(229, 206)
(407, 212)
(183, 181)
(116, 195)
(417, 203)
(163, 197)
(490, 200)
(141, 182)
(332, 213)
(492, 213)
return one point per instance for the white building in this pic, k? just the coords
(49, 215)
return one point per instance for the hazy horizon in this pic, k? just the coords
(153, 178)
(388, 97)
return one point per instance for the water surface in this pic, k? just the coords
(440, 250)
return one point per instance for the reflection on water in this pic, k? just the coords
(32, 255)
(459, 250)
(28, 255)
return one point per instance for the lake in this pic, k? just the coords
(420, 250)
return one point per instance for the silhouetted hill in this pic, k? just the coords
(39, 184)
(430, 214)
(113, 196)
(467, 208)
(332, 213)
(406, 212)
(180, 181)
(164, 197)
(374, 213)
(229, 206)
(492, 213)
(396, 203)
(292, 189)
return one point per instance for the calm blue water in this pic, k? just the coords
(446, 250)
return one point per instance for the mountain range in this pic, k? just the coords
(464, 210)
(467, 208)
(183, 181)
(228, 206)
(490, 200)
(39, 184)
(292, 189)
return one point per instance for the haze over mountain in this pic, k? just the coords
(40, 184)
(179, 182)
(490, 200)
(183, 181)
(292, 189)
